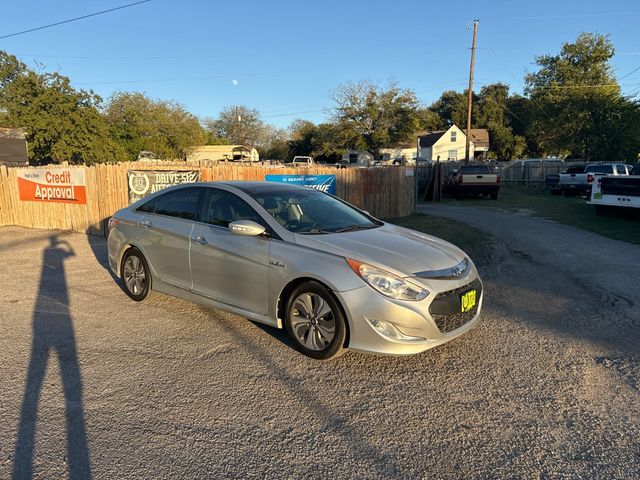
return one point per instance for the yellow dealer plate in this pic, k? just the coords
(468, 301)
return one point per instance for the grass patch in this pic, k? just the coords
(474, 242)
(574, 211)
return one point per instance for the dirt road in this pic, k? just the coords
(546, 386)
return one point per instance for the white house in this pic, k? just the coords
(446, 145)
(232, 153)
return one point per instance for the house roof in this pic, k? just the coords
(480, 137)
(220, 148)
(427, 139)
(10, 132)
(401, 145)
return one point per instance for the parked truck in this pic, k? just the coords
(616, 191)
(473, 180)
(572, 184)
(300, 161)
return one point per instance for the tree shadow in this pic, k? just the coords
(53, 331)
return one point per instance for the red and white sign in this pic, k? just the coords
(59, 185)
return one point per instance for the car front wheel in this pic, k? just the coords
(315, 322)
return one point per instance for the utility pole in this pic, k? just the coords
(470, 101)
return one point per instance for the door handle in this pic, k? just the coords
(200, 240)
(146, 224)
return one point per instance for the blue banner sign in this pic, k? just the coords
(324, 183)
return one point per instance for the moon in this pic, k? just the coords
(235, 82)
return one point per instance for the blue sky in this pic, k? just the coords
(287, 56)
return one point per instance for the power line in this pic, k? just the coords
(629, 74)
(73, 19)
(577, 15)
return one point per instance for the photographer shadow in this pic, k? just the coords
(53, 332)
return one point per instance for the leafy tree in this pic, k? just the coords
(62, 123)
(428, 120)
(581, 108)
(451, 107)
(240, 125)
(372, 117)
(139, 123)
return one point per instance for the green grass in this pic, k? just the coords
(474, 242)
(574, 211)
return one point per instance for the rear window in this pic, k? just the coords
(599, 169)
(182, 203)
(475, 169)
(148, 207)
(578, 169)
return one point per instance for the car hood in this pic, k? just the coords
(402, 250)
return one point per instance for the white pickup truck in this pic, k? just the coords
(300, 161)
(580, 183)
(616, 191)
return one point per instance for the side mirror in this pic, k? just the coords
(246, 228)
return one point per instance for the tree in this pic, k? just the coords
(371, 117)
(580, 105)
(240, 125)
(62, 123)
(451, 108)
(139, 123)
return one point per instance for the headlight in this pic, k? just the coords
(387, 283)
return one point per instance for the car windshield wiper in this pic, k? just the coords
(315, 231)
(356, 227)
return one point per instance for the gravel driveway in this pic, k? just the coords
(547, 385)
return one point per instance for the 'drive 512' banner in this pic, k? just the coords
(143, 182)
(324, 183)
(59, 185)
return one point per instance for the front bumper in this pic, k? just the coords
(433, 321)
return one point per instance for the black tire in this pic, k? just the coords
(310, 333)
(134, 263)
(556, 192)
(493, 195)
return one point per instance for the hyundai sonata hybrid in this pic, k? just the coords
(300, 259)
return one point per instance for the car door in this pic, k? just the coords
(166, 234)
(225, 267)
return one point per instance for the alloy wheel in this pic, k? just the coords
(312, 321)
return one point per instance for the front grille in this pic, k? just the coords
(449, 323)
(445, 308)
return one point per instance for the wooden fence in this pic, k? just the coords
(384, 192)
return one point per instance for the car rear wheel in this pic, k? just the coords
(315, 322)
(135, 275)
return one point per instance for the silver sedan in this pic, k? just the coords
(296, 258)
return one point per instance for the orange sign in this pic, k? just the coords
(59, 185)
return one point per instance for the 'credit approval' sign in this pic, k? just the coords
(59, 185)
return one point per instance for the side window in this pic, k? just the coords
(621, 169)
(148, 207)
(222, 207)
(181, 203)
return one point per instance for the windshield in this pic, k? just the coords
(312, 212)
(599, 169)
